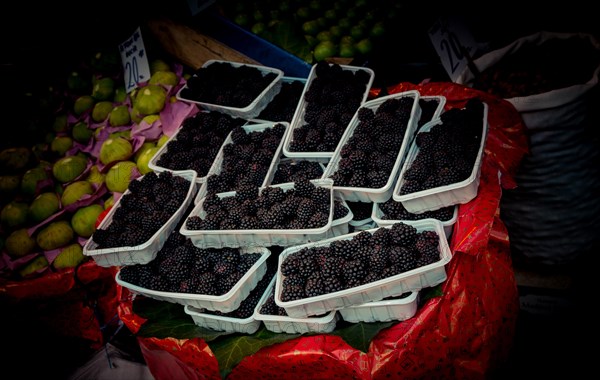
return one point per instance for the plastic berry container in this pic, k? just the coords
(258, 237)
(441, 196)
(298, 119)
(393, 309)
(224, 303)
(448, 225)
(146, 252)
(412, 280)
(364, 194)
(255, 107)
(222, 323)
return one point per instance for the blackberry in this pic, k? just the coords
(314, 285)
(247, 260)
(363, 238)
(227, 282)
(208, 284)
(293, 280)
(354, 273)
(381, 237)
(332, 266)
(332, 284)
(317, 220)
(365, 114)
(404, 258)
(200, 264)
(377, 179)
(403, 234)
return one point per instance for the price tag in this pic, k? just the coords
(135, 61)
(454, 44)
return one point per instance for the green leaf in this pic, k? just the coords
(287, 37)
(230, 350)
(359, 335)
(167, 319)
(429, 293)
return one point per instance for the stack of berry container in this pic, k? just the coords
(412, 280)
(284, 324)
(224, 303)
(255, 107)
(441, 196)
(298, 119)
(284, 81)
(395, 309)
(448, 224)
(221, 323)
(217, 166)
(364, 194)
(258, 237)
(146, 252)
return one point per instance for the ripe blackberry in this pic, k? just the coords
(363, 238)
(247, 260)
(377, 179)
(293, 280)
(332, 265)
(378, 259)
(200, 264)
(317, 220)
(314, 285)
(354, 272)
(381, 237)
(227, 282)
(403, 234)
(365, 114)
(208, 284)
(403, 257)
(292, 293)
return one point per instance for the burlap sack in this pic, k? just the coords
(553, 216)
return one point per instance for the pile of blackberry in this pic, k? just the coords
(331, 99)
(304, 206)
(366, 257)
(393, 210)
(223, 84)
(197, 142)
(150, 203)
(181, 267)
(294, 170)
(369, 155)
(246, 160)
(284, 104)
(447, 152)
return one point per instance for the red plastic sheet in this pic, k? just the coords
(72, 302)
(465, 333)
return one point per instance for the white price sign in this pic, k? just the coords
(135, 61)
(454, 44)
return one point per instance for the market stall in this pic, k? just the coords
(463, 328)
